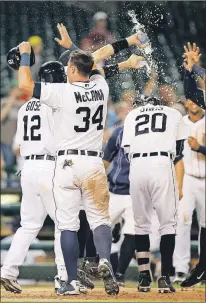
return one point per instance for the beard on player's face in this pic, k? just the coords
(193, 108)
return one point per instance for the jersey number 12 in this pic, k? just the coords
(31, 135)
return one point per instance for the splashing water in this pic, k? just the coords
(147, 50)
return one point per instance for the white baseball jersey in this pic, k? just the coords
(80, 112)
(194, 162)
(152, 128)
(35, 129)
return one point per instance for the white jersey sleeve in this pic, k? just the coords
(129, 130)
(100, 80)
(182, 130)
(51, 94)
(19, 131)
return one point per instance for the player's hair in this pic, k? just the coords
(83, 61)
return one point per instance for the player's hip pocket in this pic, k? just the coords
(64, 175)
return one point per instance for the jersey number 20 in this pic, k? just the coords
(36, 125)
(96, 118)
(144, 120)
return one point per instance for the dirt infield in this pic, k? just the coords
(46, 294)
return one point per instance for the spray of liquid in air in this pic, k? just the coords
(147, 48)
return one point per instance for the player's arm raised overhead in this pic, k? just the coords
(99, 55)
(108, 71)
(112, 146)
(195, 76)
(25, 80)
(48, 93)
(134, 61)
(114, 48)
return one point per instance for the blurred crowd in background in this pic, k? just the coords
(92, 25)
(168, 24)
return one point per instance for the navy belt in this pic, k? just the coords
(40, 157)
(80, 152)
(166, 154)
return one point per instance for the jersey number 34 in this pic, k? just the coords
(97, 118)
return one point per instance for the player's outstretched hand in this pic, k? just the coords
(193, 51)
(24, 47)
(65, 40)
(191, 56)
(136, 62)
(134, 40)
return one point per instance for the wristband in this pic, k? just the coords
(120, 45)
(111, 70)
(199, 71)
(202, 149)
(25, 59)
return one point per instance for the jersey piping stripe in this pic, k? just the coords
(119, 160)
(175, 215)
(117, 171)
(83, 86)
(198, 161)
(54, 195)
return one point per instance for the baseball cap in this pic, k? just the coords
(100, 16)
(35, 40)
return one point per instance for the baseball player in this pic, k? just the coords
(78, 134)
(195, 74)
(35, 138)
(120, 203)
(193, 187)
(153, 135)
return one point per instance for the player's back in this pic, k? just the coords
(35, 129)
(153, 129)
(80, 113)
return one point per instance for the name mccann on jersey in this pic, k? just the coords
(93, 95)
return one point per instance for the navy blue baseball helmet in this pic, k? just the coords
(13, 58)
(52, 72)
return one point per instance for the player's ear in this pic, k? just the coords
(186, 103)
(73, 69)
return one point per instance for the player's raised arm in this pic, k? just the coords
(114, 48)
(25, 80)
(99, 55)
(48, 93)
(134, 61)
(195, 76)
